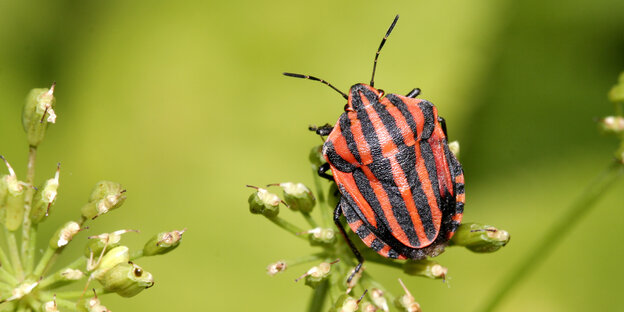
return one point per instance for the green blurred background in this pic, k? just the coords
(183, 102)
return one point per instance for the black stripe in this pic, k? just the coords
(362, 231)
(347, 210)
(368, 130)
(363, 184)
(377, 244)
(345, 129)
(427, 108)
(425, 214)
(391, 125)
(405, 112)
(392, 254)
(335, 159)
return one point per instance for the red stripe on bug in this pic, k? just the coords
(459, 178)
(347, 182)
(423, 176)
(368, 240)
(384, 251)
(444, 175)
(360, 141)
(356, 224)
(458, 217)
(341, 146)
(461, 198)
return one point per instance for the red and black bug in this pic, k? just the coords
(402, 188)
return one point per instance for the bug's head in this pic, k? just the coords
(362, 95)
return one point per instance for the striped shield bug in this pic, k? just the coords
(402, 189)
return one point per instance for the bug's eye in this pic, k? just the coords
(138, 272)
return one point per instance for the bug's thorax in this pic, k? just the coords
(361, 96)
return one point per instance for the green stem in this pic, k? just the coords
(4, 261)
(43, 263)
(309, 219)
(293, 229)
(30, 260)
(15, 254)
(136, 255)
(27, 254)
(318, 297)
(78, 293)
(5, 276)
(555, 234)
(320, 197)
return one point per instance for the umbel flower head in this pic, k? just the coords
(27, 282)
(331, 265)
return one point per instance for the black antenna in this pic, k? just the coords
(383, 41)
(316, 79)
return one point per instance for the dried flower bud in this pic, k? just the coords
(277, 267)
(617, 92)
(44, 198)
(38, 113)
(407, 302)
(355, 278)
(298, 197)
(127, 279)
(368, 307)
(65, 277)
(91, 305)
(345, 303)
(321, 236)
(316, 157)
(612, 124)
(108, 241)
(379, 300)
(454, 147)
(480, 238)
(316, 274)
(49, 306)
(163, 243)
(112, 258)
(106, 196)
(12, 198)
(426, 268)
(264, 202)
(64, 235)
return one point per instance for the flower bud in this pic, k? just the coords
(106, 196)
(321, 236)
(316, 157)
(277, 267)
(368, 307)
(454, 147)
(38, 113)
(107, 241)
(44, 198)
(480, 238)
(64, 235)
(12, 198)
(127, 279)
(91, 305)
(65, 277)
(612, 124)
(111, 259)
(298, 197)
(406, 302)
(379, 300)
(263, 202)
(333, 196)
(49, 306)
(163, 243)
(426, 268)
(317, 274)
(617, 92)
(345, 303)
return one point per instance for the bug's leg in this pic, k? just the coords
(443, 124)
(322, 172)
(414, 93)
(337, 214)
(323, 130)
